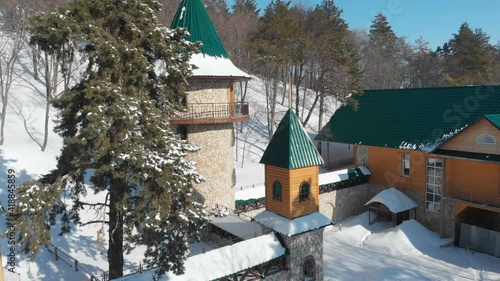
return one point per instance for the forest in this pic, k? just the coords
(311, 48)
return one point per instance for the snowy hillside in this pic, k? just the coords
(252, 141)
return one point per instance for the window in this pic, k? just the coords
(405, 165)
(309, 268)
(486, 139)
(304, 192)
(277, 190)
(434, 185)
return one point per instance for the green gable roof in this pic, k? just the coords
(494, 119)
(192, 15)
(419, 119)
(290, 147)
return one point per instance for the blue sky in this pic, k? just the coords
(435, 20)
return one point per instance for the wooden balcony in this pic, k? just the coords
(213, 113)
(474, 197)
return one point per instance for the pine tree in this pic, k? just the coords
(115, 121)
(472, 59)
(276, 45)
(335, 56)
(385, 57)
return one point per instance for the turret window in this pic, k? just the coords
(277, 190)
(486, 139)
(304, 191)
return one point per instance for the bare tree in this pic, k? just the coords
(12, 42)
(57, 69)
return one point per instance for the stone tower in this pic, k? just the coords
(211, 107)
(292, 199)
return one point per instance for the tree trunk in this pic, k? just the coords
(304, 123)
(284, 79)
(115, 250)
(321, 109)
(297, 90)
(4, 114)
(51, 75)
(35, 63)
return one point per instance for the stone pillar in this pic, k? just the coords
(361, 155)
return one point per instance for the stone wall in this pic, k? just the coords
(301, 247)
(340, 204)
(208, 91)
(361, 155)
(214, 162)
(443, 222)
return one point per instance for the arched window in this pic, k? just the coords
(486, 139)
(277, 190)
(309, 268)
(304, 191)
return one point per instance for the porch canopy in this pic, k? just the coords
(397, 205)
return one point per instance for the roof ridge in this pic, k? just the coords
(290, 147)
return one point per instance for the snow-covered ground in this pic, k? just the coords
(358, 252)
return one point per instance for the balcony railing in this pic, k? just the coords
(200, 113)
(473, 197)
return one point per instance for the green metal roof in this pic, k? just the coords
(494, 119)
(419, 119)
(468, 155)
(290, 147)
(192, 15)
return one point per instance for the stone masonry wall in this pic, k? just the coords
(340, 204)
(214, 162)
(361, 155)
(302, 246)
(208, 91)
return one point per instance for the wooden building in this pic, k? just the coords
(441, 146)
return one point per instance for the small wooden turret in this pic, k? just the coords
(291, 171)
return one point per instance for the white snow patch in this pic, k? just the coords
(295, 226)
(215, 67)
(394, 199)
(407, 252)
(251, 193)
(430, 146)
(238, 227)
(340, 175)
(223, 261)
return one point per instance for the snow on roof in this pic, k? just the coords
(431, 146)
(394, 199)
(238, 227)
(295, 226)
(325, 178)
(210, 66)
(365, 170)
(340, 175)
(224, 261)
